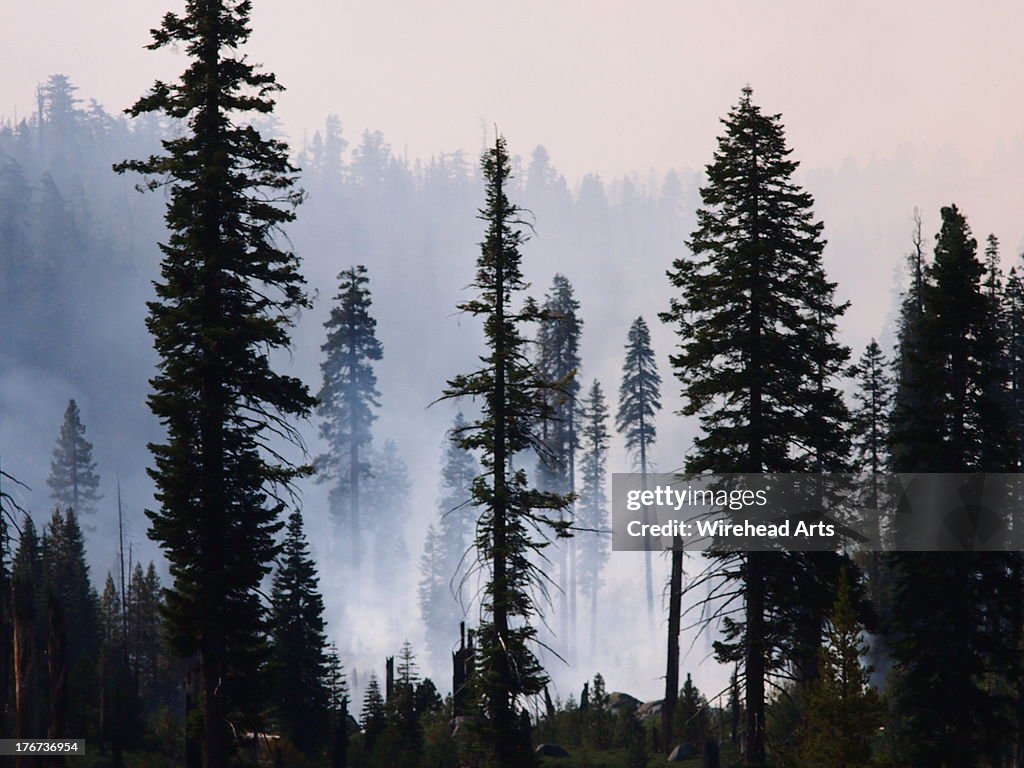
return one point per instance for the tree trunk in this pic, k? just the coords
(6, 660)
(215, 747)
(754, 737)
(675, 598)
(571, 586)
(193, 746)
(648, 577)
(58, 668)
(24, 646)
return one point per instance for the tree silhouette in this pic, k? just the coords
(226, 299)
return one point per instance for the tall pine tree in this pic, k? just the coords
(348, 399)
(226, 299)
(558, 361)
(753, 345)
(592, 508)
(514, 399)
(639, 403)
(953, 613)
(73, 480)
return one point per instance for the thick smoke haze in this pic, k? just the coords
(889, 108)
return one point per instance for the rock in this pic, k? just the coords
(649, 709)
(551, 750)
(617, 702)
(682, 752)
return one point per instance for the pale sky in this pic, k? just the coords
(606, 86)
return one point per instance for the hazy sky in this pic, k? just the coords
(606, 86)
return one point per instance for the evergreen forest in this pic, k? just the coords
(306, 447)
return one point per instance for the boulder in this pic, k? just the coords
(618, 702)
(551, 750)
(682, 752)
(649, 709)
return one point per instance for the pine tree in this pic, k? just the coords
(514, 400)
(692, 715)
(73, 480)
(118, 708)
(407, 672)
(841, 711)
(755, 316)
(592, 509)
(558, 361)
(443, 597)
(9, 511)
(348, 399)
(639, 403)
(298, 644)
(386, 493)
(1013, 310)
(146, 636)
(67, 577)
(952, 613)
(911, 426)
(373, 718)
(226, 299)
(337, 691)
(28, 598)
(873, 399)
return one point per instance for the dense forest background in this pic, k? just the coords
(78, 250)
(76, 245)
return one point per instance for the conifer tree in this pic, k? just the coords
(373, 717)
(443, 597)
(348, 399)
(873, 398)
(639, 403)
(910, 425)
(9, 510)
(692, 715)
(953, 612)
(146, 635)
(755, 319)
(514, 399)
(28, 598)
(558, 360)
(118, 708)
(337, 691)
(841, 711)
(592, 508)
(1013, 303)
(67, 578)
(226, 299)
(873, 403)
(299, 644)
(386, 492)
(73, 480)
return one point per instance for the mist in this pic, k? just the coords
(72, 322)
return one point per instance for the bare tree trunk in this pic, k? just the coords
(755, 661)
(571, 471)
(675, 599)
(24, 646)
(6, 660)
(57, 642)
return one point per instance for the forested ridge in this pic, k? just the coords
(311, 455)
